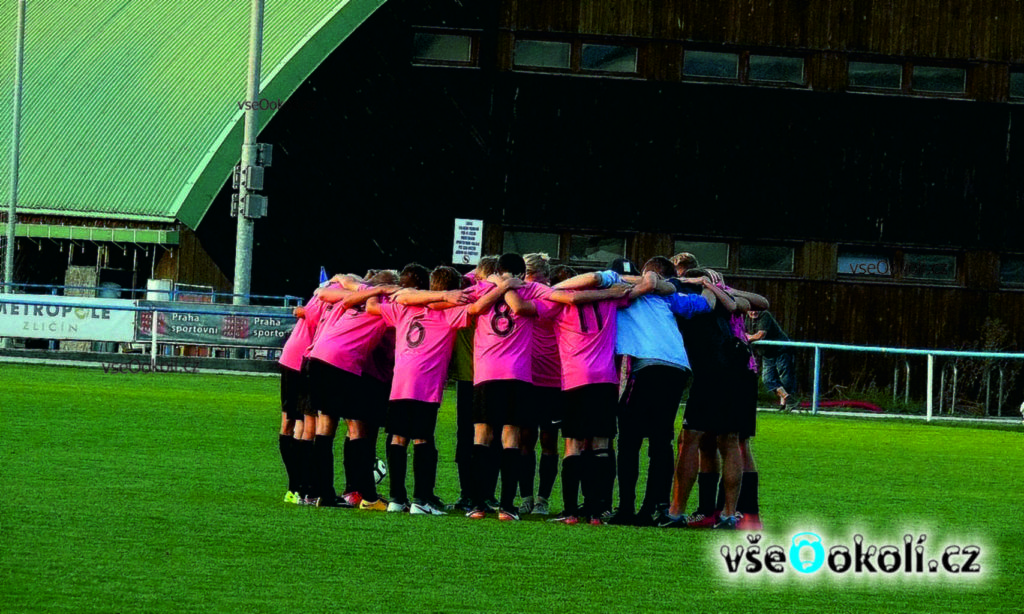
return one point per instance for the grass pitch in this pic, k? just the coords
(162, 493)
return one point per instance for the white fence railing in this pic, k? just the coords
(931, 354)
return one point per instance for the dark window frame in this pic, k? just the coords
(898, 263)
(576, 56)
(474, 47)
(1005, 285)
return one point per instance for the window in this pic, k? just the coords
(777, 68)
(774, 258)
(711, 64)
(711, 255)
(876, 75)
(542, 54)
(861, 263)
(929, 267)
(1011, 270)
(1016, 85)
(587, 248)
(530, 242)
(609, 58)
(939, 80)
(446, 48)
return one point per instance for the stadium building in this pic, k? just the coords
(855, 162)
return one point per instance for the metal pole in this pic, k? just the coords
(12, 206)
(244, 238)
(817, 380)
(931, 377)
(153, 329)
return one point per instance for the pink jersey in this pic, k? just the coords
(502, 346)
(302, 335)
(547, 365)
(381, 363)
(424, 341)
(348, 337)
(586, 342)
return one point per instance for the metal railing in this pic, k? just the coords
(930, 377)
(288, 300)
(20, 299)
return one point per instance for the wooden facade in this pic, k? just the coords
(378, 153)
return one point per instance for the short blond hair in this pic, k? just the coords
(684, 261)
(537, 263)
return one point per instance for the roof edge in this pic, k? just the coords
(196, 196)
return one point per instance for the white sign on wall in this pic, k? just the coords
(41, 316)
(468, 243)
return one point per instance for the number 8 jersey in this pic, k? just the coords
(502, 345)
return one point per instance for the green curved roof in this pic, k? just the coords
(130, 107)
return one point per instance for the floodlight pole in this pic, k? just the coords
(12, 206)
(244, 238)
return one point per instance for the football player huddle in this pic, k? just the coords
(603, 358)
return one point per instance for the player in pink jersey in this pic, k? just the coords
(461, 371)
(544, 413)
(340, 358)
(502, 383)
(294, 397)
(295, 353)
(424, 341)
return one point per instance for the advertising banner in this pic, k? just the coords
(41, 316)
(241, 327)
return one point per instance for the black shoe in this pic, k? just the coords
(666, 521)
(623, 517)
(464, 504)
(335, 501)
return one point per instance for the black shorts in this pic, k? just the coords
(544, 411)
(412, 419)
(369, 403)
(590, 411)
(501, 402)
(719, 402)
(305, 406)
(293, 393)
(330, 388)
(649, 404)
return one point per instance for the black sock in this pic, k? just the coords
(363, 456)
(323, 460)
(424, 470)
(548, 473)
(493, 465)
(629, 473)
(349, 486)
(720, 499)
(482, 474)
(659, 475)
(286, 445)
(707, 489)
(571, 466)
(587, 479)
(464, 463)
(350, 464)
(510, 461)
(306, 472)
(396, 472)
(747, 502)
(527, 471)
(604, 468)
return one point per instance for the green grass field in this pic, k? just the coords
(163, 493)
